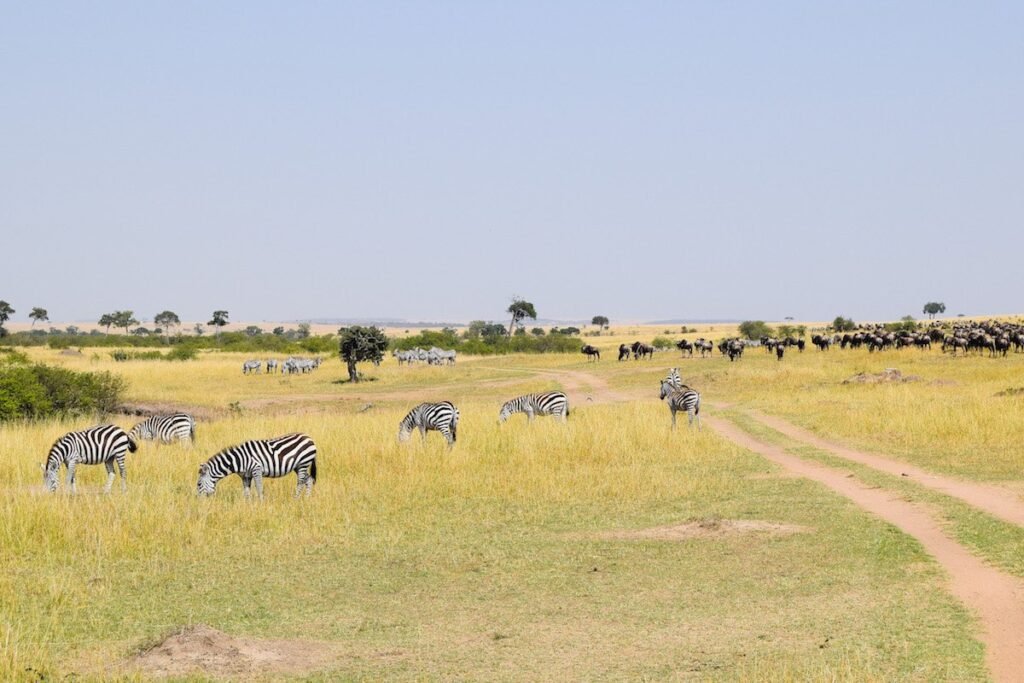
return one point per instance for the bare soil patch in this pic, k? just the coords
(202, 649)
(887, 375)
(706, 528)
(148, 409)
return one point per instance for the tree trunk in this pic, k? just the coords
(512, 325)
(352, 374)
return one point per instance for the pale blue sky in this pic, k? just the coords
(427, 160)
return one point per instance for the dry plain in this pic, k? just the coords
(609, 547)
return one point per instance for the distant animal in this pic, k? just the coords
(624, 351)
(271, 366)
(259, 458)
(685, 347)
(546, 403)
(166, 428)
(704, 346)
(591, 352)
(105, 444)
(641, 350)
(681, 399)
(442, 417)
(250, 367)
(780, 350)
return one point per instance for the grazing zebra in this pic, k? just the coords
(442, 417)
(166, 428)
(253, 460)
(250, 366)
(271, 366)
(681, 399)
(547, 403)
(591, 352)
(106, 444)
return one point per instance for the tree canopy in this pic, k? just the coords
(520, 309)
(5, 312)
(755, 329)
(934, 307)
(220, 319)
(167, 319)
(38, 315)
(124, 319)
(841, 324)
(360, 344)
(600, 321)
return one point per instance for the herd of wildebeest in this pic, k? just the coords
(995, 337)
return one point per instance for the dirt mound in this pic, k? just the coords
(888, 375)
(148, 409)
(209, 651)
(706, 528)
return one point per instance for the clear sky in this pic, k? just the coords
(428, 160)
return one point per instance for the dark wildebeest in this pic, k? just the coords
(591, 352)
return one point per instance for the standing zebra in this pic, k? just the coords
(251, 366)
(271, 366)
(442, 417)
(547, 403)
(681, 398)
(253, 460)
(106, 444)
(166, 428)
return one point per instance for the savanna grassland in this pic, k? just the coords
(542, 551)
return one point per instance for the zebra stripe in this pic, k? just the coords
(254, 460)
(442, 417)
(681, 399)
(547, 403)
(251, 367)
(166, 428)
(106, 444)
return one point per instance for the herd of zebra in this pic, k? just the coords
(257, 459)
(289, 366)
(432, 356)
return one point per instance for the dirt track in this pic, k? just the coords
(995, 597)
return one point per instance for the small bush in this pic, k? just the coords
(40, 391)
(662, 343)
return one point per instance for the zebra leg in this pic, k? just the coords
(71, 475)
(124, 478)
(110, 475)
(423, 432)
(529, 415)
(258, 479)
(448, 437)
(246, 482)
(673, 418)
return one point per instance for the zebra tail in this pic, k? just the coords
(312, 470)
(132, 446)
(192, 430)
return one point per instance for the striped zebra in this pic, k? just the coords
(254, 460)
(106, 444)
(442, 417)
(271, 366)
(166, 428)
(547, 403)
(681, 398)
(251, 367)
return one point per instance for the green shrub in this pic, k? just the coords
(662, 343)
(40, 391)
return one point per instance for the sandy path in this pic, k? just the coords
(995, 597)
(995, 500)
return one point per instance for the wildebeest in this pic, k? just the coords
(591, 352)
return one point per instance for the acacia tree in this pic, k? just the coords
(520, 309)
(601, 321)
(38, 315)
(933, 307)
(220, 319)
(106, 320)
(360, 344)
(166, 320)
(5, 314)
(841, 324)
(124, 319)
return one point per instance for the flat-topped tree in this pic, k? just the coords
(220, 319)
(124, 319)
(520, 309)
(38, 315)
(105, 321)
(601, 321)
(932, 308)
(360, 344)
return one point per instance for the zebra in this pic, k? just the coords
(259, 458)
(271, 366)
(442, 417)
(674, 379)
(105, 444)
(681, 398)
(251, 366)
(547, 403)
(166, 428)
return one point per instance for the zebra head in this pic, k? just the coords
(506, 412)
(143, 430)
(206, 486)
(666, 389)
(50, 476)
(404, 431)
